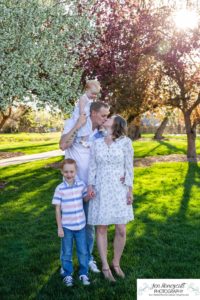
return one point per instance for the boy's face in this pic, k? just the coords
(69, 172)
(92, 93)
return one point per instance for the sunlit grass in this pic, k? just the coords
(29, 143)
(32, 137)
(162, 242)
(36, 143)
(173, 145)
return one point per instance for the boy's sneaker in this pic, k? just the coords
(93, 267)
(84, 279)
(68, 281)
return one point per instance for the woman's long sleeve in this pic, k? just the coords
(128, 153)
(92, 166)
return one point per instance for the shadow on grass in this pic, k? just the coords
(173, 149)
(42, 145)
(155, 249)
(28, 231)
(167, 248)
(153, 149)
(29, 253)
(99, 289)
(191, 179)
(24, 183)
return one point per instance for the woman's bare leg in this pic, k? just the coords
(119, 243)
(102, 244)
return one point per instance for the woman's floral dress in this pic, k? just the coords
(107, 165)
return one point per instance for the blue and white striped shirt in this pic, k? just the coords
(70, 198)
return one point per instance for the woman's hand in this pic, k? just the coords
(90, 192)
(129, 198)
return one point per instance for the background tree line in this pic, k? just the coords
(143, 61)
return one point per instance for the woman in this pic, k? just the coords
(111, 161)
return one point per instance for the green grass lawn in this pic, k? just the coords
(162, 242)
(172, 145)
(29, 143)
(36, 143)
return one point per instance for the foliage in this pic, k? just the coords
(37, 62)
(145, 61)
(41, 121)
(121, 56)
(179, 56)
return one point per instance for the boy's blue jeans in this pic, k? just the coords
(67, 249)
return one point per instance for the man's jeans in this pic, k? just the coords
(67, 249)
(90, 234)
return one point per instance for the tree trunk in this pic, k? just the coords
(137, 134)
(134, 132)
(5, 118)
(191, 138)
(161, 128)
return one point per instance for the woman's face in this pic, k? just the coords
(108, 123)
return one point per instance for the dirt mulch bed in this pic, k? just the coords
(4, 155)
(148, 161)
(145, 162)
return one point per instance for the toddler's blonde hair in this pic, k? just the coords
(93, 83)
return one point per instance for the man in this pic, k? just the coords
(99, 112)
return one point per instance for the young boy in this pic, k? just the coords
(70, 218)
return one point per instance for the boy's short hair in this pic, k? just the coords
(91, 83)
(68, 161)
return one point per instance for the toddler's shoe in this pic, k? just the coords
(68, 281)
(85, 144)
(84, 279)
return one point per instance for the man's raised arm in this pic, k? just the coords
(67, 139)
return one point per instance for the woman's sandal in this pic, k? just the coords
(108, 275)
(118, 271)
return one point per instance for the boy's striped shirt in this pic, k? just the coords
(70, 198)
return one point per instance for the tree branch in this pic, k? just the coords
(194, 105)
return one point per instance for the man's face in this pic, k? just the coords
(99, 117)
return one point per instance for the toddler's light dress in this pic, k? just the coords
(85, 130)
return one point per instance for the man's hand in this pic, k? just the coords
(67, 139)
(129, 198)
(122, 179)
(60, 232)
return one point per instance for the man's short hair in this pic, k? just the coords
(96, 106)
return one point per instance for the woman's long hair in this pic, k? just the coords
(119, 127)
